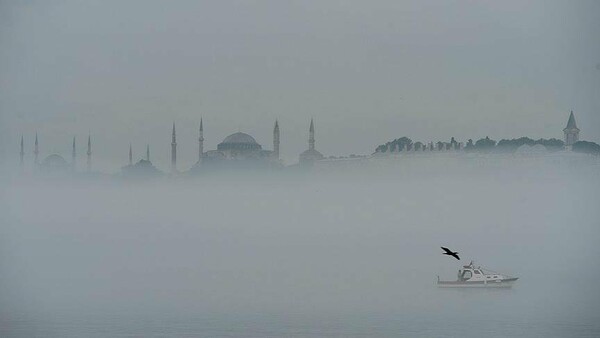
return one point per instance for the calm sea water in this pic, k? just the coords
(326, 326)
(346, 258)
(533, 308)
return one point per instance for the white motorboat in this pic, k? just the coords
(477, 277)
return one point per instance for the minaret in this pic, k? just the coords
(571, 131)
(130, 155)
(173, 151)
(276, 140)
(201, 142)
(22, 154)
(311, 155)
(311, 137)
(89, 154)
(36, 151)
(73, 156)
(148, 153)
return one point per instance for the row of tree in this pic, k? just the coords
(406, 143)
(487, 145)
(586, 147)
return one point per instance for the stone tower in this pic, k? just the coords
(571, 131)
(276, 140)
(148, 153)
(200, 141)
(173, 151)
(130, 155)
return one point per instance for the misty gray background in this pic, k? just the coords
(366, 71)
(304, 255)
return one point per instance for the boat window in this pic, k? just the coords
(477, 272)
(467, 274)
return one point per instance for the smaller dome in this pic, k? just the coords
(55, 161)
(240, 138)
(311, 155)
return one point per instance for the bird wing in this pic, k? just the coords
(456, 256)
(447, 250)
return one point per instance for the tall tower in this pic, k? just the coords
(73, 156)
(89, 154)
(311, 136)
(22, 154)
(276, 140)
(571, 131)
(309, 156)
(201, 142)
(130, 155)
(36, 151)
(148, 152)
(173, 151)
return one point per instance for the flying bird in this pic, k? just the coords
(450, 253)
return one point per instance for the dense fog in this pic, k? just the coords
(131, 207)
(340, 254)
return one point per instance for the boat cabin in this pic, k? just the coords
(472, 274)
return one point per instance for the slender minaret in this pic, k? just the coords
(148, 153)
(22, 154)
(173, 151)
(130, 155)
(36, 151)
(201, 142)
(89, 154)
(311, 137)
(73, 156)
(311, 155)
(276, 140)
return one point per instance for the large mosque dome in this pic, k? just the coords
(238, 151)
(239, 141)
(239, 138)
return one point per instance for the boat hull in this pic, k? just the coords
(503, 283)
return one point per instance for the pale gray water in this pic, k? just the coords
(331, 256)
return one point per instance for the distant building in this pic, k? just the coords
(571, 131)
(238, 150)
(142, 169)
(242, 151)
(54, 164)
(310, 155)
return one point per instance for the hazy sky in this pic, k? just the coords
(367, 72)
